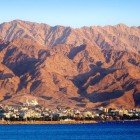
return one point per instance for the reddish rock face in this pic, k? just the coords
(79, 68)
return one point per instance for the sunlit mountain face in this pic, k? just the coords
(81, 68)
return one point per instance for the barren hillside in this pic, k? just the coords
(83, 68)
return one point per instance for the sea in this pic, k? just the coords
(99, 131)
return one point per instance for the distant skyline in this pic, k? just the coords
(74, 13)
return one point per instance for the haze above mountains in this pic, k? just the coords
(60, 66)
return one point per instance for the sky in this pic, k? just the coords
(74, 13)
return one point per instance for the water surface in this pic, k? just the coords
(100, 131)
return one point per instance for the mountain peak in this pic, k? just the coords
(121, 25)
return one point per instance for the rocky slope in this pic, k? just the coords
(82, 68)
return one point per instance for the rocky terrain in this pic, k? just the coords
(61, 66)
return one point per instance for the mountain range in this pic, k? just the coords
(81, 68)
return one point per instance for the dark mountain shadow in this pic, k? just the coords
(107, 55)
(103, 72)
(6, 97)
(78, 99)
(104, 96)
(46, 97)
(22, 65)
(110, 54)
(62, 38)
(82, 83)
(63, 90)
(130, 84)
(81, 79)
(133, 62)
(25, 66)
(81, 104)
(9, 53)
(75, 51)
(137, 98)
(105, 104)
(42, 55)
(3, 46)
(28, 66)
(35, 85)
(122, 76)
(5, 76)
(23, 83)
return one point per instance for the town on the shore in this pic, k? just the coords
(32, 111)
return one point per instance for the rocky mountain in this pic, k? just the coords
(61, 66)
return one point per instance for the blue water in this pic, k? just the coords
(101, 131)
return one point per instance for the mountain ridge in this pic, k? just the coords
(83, 67)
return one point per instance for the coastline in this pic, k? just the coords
(59, 122)
(46, 122)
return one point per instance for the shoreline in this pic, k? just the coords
(58, 122)
(46, 122)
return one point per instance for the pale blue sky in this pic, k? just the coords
(75, 13)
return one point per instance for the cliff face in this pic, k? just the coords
(81, 68)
